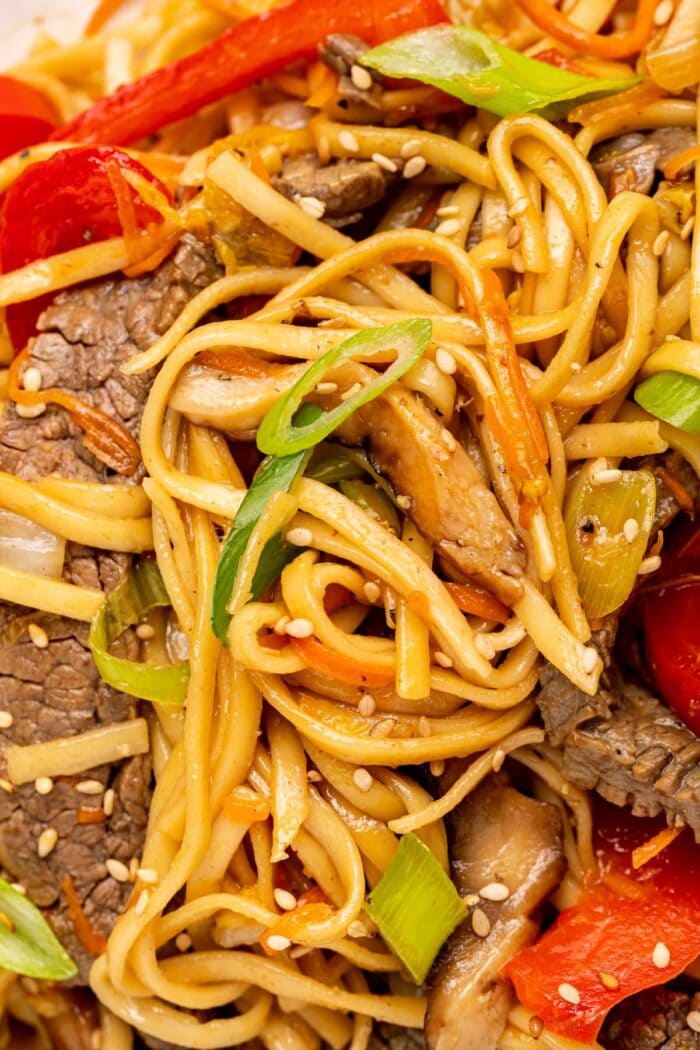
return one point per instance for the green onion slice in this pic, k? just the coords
(28, 945)
(416, 906)
(280, 435)
(142, 590)
(470, 65)
(672, 397)
(276, 473)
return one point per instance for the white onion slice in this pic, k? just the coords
(30, 547)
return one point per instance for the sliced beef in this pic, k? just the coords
(631, 161)
(340, 53)
(346, 187)
(653, 1020)
(56, 691)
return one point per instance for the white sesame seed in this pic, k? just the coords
(299, 537)
(604, 476)
(411, 149)
(351, 391)
(314, 777)
(367, 705)
(663, 12)
(363, 779)
(108, 802)
(6, 720)
(284, 899)
(480, 923)
(134, 865)
(38, 636)
(447, 211)
(372, 591)
(5, 785)
(30, 411)
(693, 1020)
(145, 632)
(357, 928)
(19, 888)
(424, 726)
(589, 660)
(448, 227)
(494, 891)
(31, 380)
(484, 645)
(147, 875)
(608, 980)
(361, 77)
(442, 659)
(631, 529)
(43, 785)
(519, 207)
(661, 242)
(649, 565)
(326, 388)
(515, 236)
(142, 902)
(517, 262)
(117, 869)
(661, 956)
(569, 994)
(445, 361)
(348, 141)
(471, 899)
(46, 842)
(385, 162)
(183, 942)
(437, 767)
(404, 502)
(383, 728)
(281, 625)
(414, 166)
(278, 943)
(449, 439)
(90, 787)
(312, 206)
(299, 628)
(499, 757)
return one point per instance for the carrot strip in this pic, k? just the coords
(105, 10)
(339, 666)
(237, 363)
(675, 165)
(337, 597)
(91, 939)
(677, 489)
(237, 808)
(653, 846)
(616, 45)
(470, 598)
(293, 922)
(553, 57)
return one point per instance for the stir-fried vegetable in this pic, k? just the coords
(279, 435)
(30, 547)
(612, 45)
(275, 474)
(27, 942)
(373, 501)
(26, 116)
(608, 527)
(143, 589)
(416, 906)
(673, 397)
(470, 65)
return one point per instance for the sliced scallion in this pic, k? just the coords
(673, 397)
(28, 945)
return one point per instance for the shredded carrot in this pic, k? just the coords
(89, 816)
(625, 887)
(337, 597)
(653, 846)
(588, 113)
(237, 362)
(125, 209)
(419, 604)
(257, 164)
(337, 665)
(296, 86)
(105, 10)
(553, 57)
(91, 939)
(616, 45)
(238, 807)
(676, 488)
(675, 165)
(470, 598)
(274, 641)
(293, 922)
(323, 85)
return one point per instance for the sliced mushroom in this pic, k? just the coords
(499, 836)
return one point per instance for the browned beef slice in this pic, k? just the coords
(340, 52)
(346, 187)
(640, 154)
(57, 691)
(652, 1020)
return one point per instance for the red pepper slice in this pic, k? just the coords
(59, 204)
(26, 116)
(605, 945)
(254, 48)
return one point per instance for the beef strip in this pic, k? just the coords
(638, 156)
(340, 52)
(346, 187)
(85, 336)
(653, 1020)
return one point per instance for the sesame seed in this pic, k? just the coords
(38, 636)
(424, 727)
(372, 591)
(515, 236)
(134, 865)
(361, 78)
(688, 228)
(445, 361)
(494, 891)
(117, 869)
(5, 785)
(663, 12)
(471, 899)
(311, 206)
(383, 728)
(367, 705)
(589, 660)
(661, 956)
(299, 537)
(47, 841)
(351, 391)
(6, 720)
(108, 802)
(299, 628)
(447, 211)
(518, 207)
(569, 994)
(411, 149)
(148, 875)
(314, 777)
(363, 779)
(517, 262)
(449, 439)
(631, 530)
(661, 242)
(281, 625)
(278, 943)
(649, 565)
(145, 632)
(19, 888)
(30, 411)
(448, 228)
(414, 166)
(183, 942)
(348, 141)
(535, 1026)
(357, 929)
(608, 980)
(605, 476)
(142, 902)
(284, 899)
(484, 645)
(480, 923)
(43, 785)
(499, 757)
(385, 162)
(693, 1020)
(31, 380)
(326, 388)
(90, 787)
(437, 767)
(404, 502)
(442, 659)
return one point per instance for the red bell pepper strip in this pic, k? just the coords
(254, 48)
(26, 116)
(59, 204)
(607, 945)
